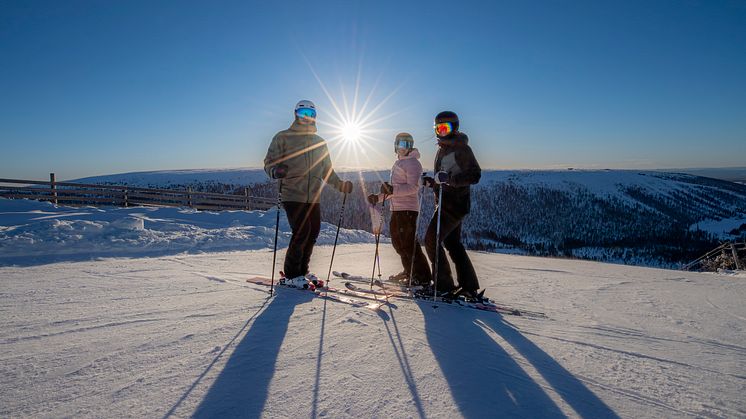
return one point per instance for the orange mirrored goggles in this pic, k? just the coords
(443, 129)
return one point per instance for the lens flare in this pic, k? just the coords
(358, 135)
(351, 131)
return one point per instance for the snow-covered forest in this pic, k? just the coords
(649, 218)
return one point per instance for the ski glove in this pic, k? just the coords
(279, 171)
(387, 189)
(441, 177)
(428, 181)
(373, 199)
(345, 187)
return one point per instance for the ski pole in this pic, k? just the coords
(437, 244)
(378, 240)
(334, 248)
(277, 229)
(416, 226)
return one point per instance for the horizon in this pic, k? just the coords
(348, 169)
(130, 87)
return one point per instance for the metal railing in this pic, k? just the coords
(70, 193)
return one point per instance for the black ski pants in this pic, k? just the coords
(403, 228)
(450, 237)
(305, 222)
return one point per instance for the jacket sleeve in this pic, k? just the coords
(470, 170)
(413, 172)
(274, 153)
(330, 176)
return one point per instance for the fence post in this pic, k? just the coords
(54, 187)
(189, 197)
(246, 197)
(735, 255)
(126, 198)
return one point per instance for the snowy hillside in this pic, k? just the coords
(649, 218)
(185, 335)
(168, 178)
(33, 232)
(197, 177)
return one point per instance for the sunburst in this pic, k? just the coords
(357, 127)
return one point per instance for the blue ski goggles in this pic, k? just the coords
(306, 113)
(402, 144)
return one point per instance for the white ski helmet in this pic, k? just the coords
(305, 104)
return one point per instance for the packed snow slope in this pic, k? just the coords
(186, 335)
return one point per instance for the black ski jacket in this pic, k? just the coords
(456, 158)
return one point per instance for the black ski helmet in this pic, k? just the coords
(405, 139)
(447, 116)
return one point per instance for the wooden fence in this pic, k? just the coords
(70, 193)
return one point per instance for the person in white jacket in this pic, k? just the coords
(402, 193)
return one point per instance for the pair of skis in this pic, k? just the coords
(376, 298)
(387, 290)
(351, 297)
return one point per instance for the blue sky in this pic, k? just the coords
(97, 87)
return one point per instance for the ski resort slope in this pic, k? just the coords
(186, 335)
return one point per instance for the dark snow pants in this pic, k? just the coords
(403, 230)
(305, 222)
(450, 237)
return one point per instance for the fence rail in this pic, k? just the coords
(71, 193)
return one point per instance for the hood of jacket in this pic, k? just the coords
(413, 154)
(303, 128)
(455, 139)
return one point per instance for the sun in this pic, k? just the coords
(351, 131)
(355, 125)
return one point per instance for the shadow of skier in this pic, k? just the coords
(401, 355)
(585, 403)
(242, 387)
(484, 380)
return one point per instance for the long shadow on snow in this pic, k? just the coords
(242, 387)
(485, 381)
(583, 401)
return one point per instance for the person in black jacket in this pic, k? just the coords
(456, 169)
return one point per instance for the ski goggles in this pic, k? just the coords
(443, 129)
(306, 113)
(402, 144)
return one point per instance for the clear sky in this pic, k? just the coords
(98, 87)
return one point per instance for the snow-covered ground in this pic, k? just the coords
(33, 232)
(171, 328)
(186, 335)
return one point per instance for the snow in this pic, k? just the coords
(721, 228)
(33, 232)
(157, 332)
(186, 335)
(165, 178)
(246, 176)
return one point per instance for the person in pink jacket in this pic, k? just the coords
(402, 193)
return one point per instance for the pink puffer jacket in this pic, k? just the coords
(405, 178)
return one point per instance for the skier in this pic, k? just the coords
(405, 207)
(456, 169)
(299, 159)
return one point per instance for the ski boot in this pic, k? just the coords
(298, 282)
(467, 295)
(312, 278)
(401, 278)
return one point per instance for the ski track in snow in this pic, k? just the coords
(185, 335)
